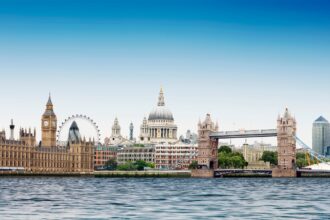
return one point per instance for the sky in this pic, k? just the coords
(241, 61)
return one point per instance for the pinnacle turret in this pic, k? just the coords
(12, 127)
(161, 101)
(49, 102)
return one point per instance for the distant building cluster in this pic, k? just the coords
(157, 142)
(253, 154)
(46, 157)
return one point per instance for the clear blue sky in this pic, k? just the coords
(242, 61)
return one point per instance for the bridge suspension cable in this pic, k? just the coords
(314, 154)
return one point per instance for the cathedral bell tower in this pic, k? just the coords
(48, 126)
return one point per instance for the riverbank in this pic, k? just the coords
(147, 173)
(20, 173)
(166, 174)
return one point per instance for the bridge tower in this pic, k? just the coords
(286, 146)
(207, 149)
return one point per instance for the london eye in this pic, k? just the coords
(89, 125)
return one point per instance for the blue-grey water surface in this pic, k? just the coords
(149, 198)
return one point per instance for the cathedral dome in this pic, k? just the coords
(160, 112)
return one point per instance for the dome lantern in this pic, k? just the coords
(160, 112)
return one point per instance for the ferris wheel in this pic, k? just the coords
(61, 141)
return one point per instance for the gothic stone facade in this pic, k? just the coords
(286, 146)
(207, 149)
(46, 157)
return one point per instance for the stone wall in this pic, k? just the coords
(278, 173)
(202, 173)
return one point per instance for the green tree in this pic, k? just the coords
(193, 165)
(238, 162)
(300, 155)
(269, 156)
(228, 159)
(301, 162)
(126, 166)
(224, 149)
(111, 164)
(137, 165)
(224, 161)
(141, 164)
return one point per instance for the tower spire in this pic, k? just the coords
(49, 102)
(161, 101)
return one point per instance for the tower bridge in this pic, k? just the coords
(208, 136)
(244, 134)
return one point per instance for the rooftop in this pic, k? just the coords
(321, 119)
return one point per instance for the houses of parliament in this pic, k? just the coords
(46, 157)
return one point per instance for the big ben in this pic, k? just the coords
(49, 126)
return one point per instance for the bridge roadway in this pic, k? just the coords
(244, 134)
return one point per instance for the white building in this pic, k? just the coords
(159, 127)
(133, 154)
(116, 139)
(175, 156)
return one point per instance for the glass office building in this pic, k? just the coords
(321, 135)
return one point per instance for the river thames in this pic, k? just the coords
(163, 198)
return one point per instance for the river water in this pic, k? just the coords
(162, 198)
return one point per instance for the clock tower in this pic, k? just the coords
(48, 126)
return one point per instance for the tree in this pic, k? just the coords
(126, 166)
(225, 149)
(141, 164)
(111, 164)
(193, 165)
(228, 159)
(238, 162)
(137, 165)
(300, 155)
(223, 161)
(270, 156)
(302, 161)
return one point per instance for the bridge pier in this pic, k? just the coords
(282, 173)
(286, 146)
(207, 149)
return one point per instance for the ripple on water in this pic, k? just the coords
(152, 198)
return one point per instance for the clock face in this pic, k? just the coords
(46, 123)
